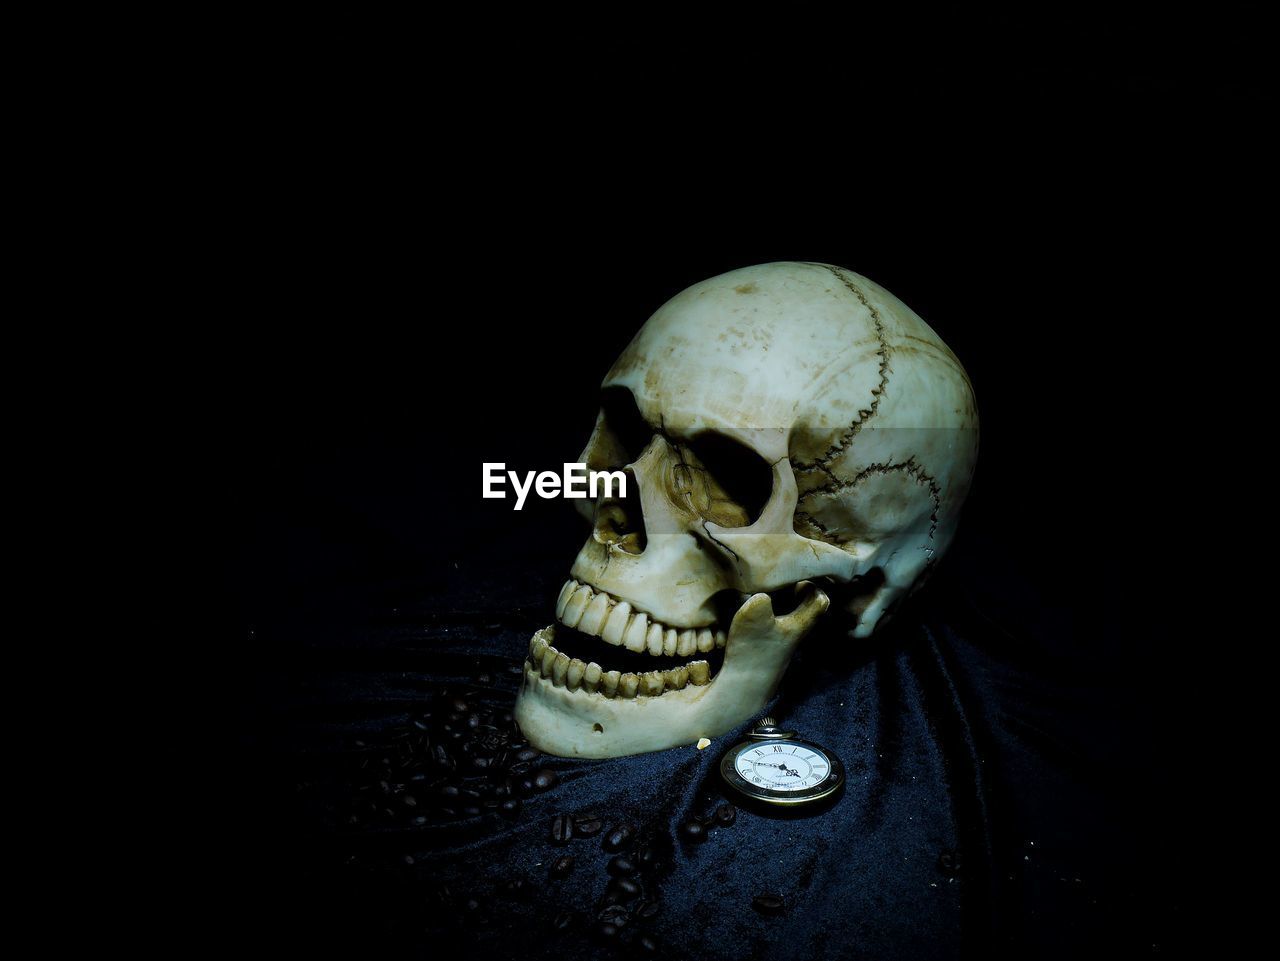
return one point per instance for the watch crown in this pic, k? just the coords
(767, 722)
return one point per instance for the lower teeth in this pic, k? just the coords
(573, 673)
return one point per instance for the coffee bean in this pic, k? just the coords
(563, 920)
(626, 887)
(418, 821)
(693, 832)
(653, 853)
(441, 757)
(647, 910)
(409, 801)
(471, 810)
(614, 914)
(524, 786)
(545, 779)
(647, 945)
(607, 932)
(520, 769)
(515, 888)
(726, 814)
(510, 808)
(609, 897)
(949, 863)
(620, 866)
(459, 705)
(562, 866)
(587, 827)
(619, 837)
(768, 904)
(480, 763)
(562, 829)
(484, 678)
(449, 792)
(527, 754)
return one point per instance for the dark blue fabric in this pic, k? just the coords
(992, 805)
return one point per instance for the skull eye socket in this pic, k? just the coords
(743, 480)
(623, 419)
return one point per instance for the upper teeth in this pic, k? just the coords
(599, 614)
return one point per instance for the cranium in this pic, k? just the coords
(791, 430)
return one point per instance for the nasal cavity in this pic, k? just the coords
(620, 522)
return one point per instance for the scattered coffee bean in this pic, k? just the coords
(520, 768)
(726, 814)
(484, 678)
(647, 944)
(607, 932)
(626, 887)
(647, 910)
(619, 837)
(471, 811)
(613, 914)
(545, 780)
(693, 832)
(515, 888)
(621, 866)
(587, 827)
(510, 808)
(949, 863)
(408, 859)
(562, 866)
(459, 705)
(527, 754)
(525, 787)
(654, 853)
(563, 920)
(409, 801)
(562, 829)
(768, 904)
(418, 821)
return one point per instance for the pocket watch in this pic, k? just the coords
(775, 767)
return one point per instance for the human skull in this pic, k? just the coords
(789, 431)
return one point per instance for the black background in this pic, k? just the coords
(378, 331)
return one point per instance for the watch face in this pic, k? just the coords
(785, 771)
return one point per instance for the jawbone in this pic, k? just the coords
(575, 722)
